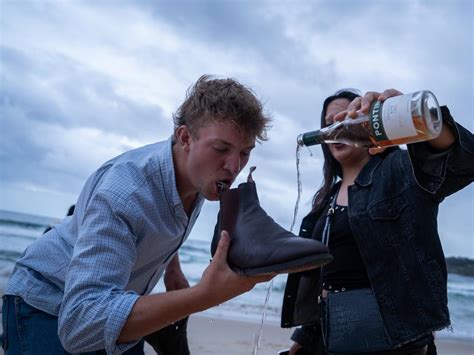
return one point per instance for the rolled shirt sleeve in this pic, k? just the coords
(96, 305)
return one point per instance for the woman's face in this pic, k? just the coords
(344, 154)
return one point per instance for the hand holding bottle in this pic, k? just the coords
(361, 105)
(381, 120)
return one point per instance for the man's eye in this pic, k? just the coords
(245, 154)
(221, 149)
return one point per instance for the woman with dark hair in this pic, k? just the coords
(377, 211)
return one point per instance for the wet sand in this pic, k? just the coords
(219, 336)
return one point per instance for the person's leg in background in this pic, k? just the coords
(171, 340)
(137, 349)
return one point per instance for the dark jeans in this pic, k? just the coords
(19, 320)
(27, 330)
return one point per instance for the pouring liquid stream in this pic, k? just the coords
(300, 188)
(295, 213)
(258, 336)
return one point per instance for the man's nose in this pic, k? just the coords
(232, 164)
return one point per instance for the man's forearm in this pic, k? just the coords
(153, 312)
(217, 285)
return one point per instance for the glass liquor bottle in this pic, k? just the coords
(398, 120)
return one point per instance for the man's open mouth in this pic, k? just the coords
(223, 185)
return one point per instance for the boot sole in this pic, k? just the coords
(288, 267)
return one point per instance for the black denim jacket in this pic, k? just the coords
(393, 208)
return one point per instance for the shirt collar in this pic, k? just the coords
(168, 176)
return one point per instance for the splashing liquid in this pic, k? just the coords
(298, 181)
(258, 336)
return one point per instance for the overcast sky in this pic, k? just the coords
(82, 81)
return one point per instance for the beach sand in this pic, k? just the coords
(217, 336)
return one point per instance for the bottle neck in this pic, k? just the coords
(310, 138)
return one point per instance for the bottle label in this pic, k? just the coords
(392, 119)
(376, 123)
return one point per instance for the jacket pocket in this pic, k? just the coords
(390, 220)
(390, 209)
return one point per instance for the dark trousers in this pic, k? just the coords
(171, 340)
(27, 330)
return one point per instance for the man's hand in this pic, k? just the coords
(294, 348)
(220, 282)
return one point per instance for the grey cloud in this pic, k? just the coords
(41, 89)
(52, 88)
(232, 23)
(297, 53)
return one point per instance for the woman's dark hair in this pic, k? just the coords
(331, 168)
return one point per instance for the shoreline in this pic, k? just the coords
(210, 313)
(215, 335)
(210, 334)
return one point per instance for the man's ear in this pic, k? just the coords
(183, 137)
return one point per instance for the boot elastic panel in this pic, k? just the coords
(259, 245)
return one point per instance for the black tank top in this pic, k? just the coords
(347, 270)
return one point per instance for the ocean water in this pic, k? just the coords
(18, 230)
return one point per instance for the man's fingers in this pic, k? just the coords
(265, 278)
(223, 246)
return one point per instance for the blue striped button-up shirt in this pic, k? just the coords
(128, 224)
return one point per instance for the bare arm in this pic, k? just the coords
(218, 284)
(174, 278)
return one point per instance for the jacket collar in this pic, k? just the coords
(366, 174)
